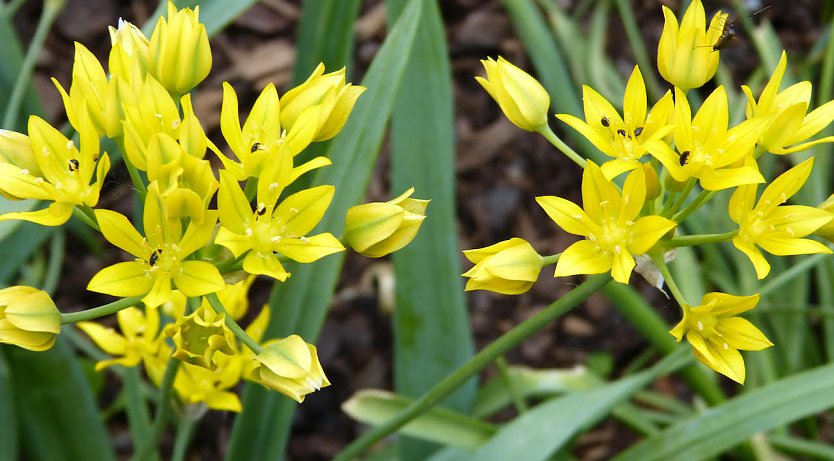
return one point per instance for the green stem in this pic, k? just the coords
(100, 311)
(185, 430)
(477, 363)
(700, 239)
(512, 389)
(551, 259)
(230, 322)
(702, 198)
(681, 198)
(795, 271)
(163, 410)
(82, 214)
(139, 419)
(10, 9)
(24, 75)
(559, 144)
(56, 261)
(657, 257)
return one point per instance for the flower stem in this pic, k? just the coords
(701, 199)
(482, 359)
(681, 199)
(230, 322)
(700, 239)
(552, 259)
(185, 430)
(657, 257)
(24, 75)
(559, 144)
(100, 311)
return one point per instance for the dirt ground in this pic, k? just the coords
(500, 169)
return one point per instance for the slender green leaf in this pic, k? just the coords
(545, 429)
(301, 303)
(529, 382)
(431, 326)
(8, 419)
(325, 34)
(11, 59)
(18, 247)
(727, 425)
(439, 425)
(10, 206)
(55, 407)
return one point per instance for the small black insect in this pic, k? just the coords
(684, 157)
(621, 133)
(154, 257)
(605, 122)
(255, 147)
(73, 164)
(637, 131)
(261, 209)
(728, 32)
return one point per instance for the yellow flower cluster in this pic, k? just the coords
(676, 162)
(185, 252)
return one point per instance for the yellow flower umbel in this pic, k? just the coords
(790, 126)
(377, 229)
(611, 224)
(64, 177)
(510, 267)
(28, 318)
(328, 91)
(290, 366)
(625, 138)
(270, 230)
(685, 55)
(178, 54)
(776, 228)
(522, 98)
(717, 335)
(160, 255)
(720, 158)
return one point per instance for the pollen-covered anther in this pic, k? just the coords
(700, 326)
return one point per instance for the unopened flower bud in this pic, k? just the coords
(179, 55)
(377, 229)
(522, 98)
(290, 366)
(28, 318)
(509, 267)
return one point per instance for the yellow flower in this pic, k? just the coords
(329, 91)
(128, 53)
(685, 55)
(270, 230)
(377, 229)
(716, 335)
(197, 385)
(610, 222)
(199, 335)
(92, 95)
(290, 366)
(776, 228)
(16, 150)
(789, 125)
(64, 177)
(625, 138)
(262, 138)
(160, 255)
(720, 158)
(28, 318)
(522, 98)
(178, 53)
(510, 267)
(139, 340)
(154, 112)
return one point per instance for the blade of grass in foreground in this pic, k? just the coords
(432, 336)
(542, 431)
(325, 34)
(723, 427)
(8, 419)
(300, 304)
(59, 416)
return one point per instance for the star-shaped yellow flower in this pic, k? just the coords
(626, 138)
(789, 125)
(161, 256)
(719, 157)
(776, 228)
(716, 335)
(611, 223)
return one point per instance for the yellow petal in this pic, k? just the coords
(647, 231)
(299, 213)
(583, 258)
(105, 338)
(120, 232)
(196, 278)
(122, 279)
(741, 334)
(567, 215)
(309, 249)
(759, 262)
(264, 264)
